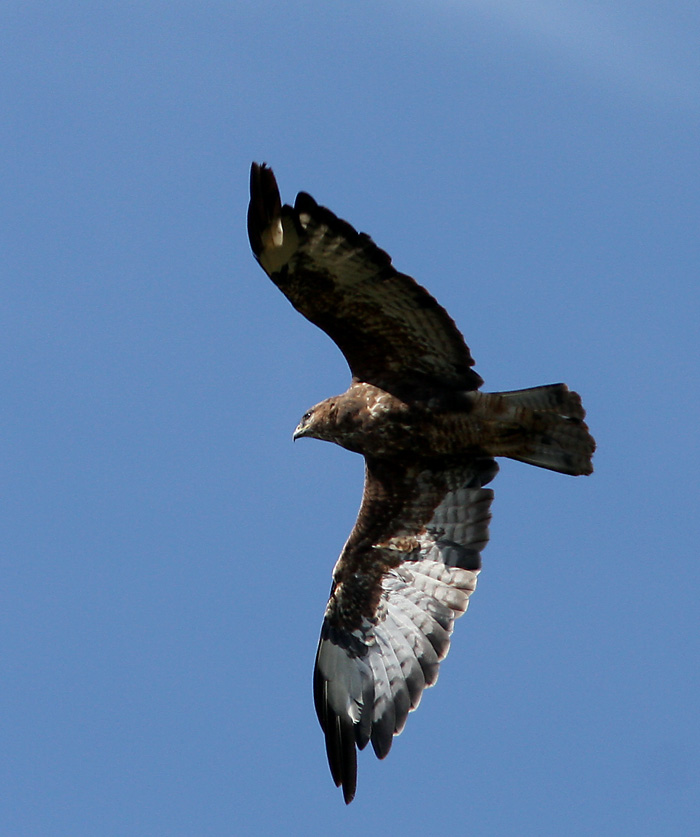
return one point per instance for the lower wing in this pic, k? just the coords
(395, 598)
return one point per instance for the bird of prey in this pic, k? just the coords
(429, 438)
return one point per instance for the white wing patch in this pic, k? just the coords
(280, 241)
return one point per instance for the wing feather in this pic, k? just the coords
(405, 575)
(391, 330)
(407, 657)
(384, 713)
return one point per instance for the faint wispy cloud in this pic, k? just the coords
(647, 50)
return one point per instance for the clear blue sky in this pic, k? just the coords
(166, 551)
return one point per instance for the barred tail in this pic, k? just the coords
(556, 434)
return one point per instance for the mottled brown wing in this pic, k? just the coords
(404, 576)
(391, 330)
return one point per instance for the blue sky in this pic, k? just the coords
(166, 550)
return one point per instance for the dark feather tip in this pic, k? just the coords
(265, 204)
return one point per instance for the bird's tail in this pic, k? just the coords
(551, 431)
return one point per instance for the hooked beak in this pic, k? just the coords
(299, 432)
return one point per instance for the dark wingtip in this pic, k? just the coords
(349, 793)
(304, 203)
(340, 738)
(342, 755)
(265, 204)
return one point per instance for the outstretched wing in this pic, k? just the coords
(404, 576)
(391, 330)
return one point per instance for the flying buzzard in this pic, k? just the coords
(414, 411)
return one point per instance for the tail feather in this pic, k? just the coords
(556, 435)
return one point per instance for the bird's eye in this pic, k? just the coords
(307, 416)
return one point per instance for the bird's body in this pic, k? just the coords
(368, 420)
(428, 436)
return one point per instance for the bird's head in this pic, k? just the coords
(318, 422)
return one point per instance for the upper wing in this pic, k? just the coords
(391, 330)
(404, 576)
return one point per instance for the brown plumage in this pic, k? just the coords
(413, 410)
